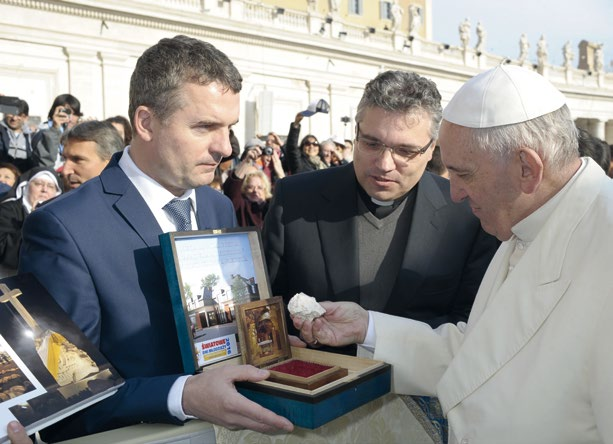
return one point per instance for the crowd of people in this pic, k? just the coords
(38, 164)
(476, 288)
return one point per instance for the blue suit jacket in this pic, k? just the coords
(97, 251)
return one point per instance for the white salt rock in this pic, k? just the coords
(305, 307)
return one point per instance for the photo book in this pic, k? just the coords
(211, 272)
(48, 368)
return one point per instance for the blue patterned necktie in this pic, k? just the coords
(180, 212)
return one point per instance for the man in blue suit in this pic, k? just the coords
(97, 250)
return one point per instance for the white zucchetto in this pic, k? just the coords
(503, 95)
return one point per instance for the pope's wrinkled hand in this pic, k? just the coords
(343, 323)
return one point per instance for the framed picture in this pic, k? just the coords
(210, 273)
(263, 329)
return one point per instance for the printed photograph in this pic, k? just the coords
(218, 272)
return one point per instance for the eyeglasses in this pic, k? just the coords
(372, 147)
(311, 142)
(43, 185)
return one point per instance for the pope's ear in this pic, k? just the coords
(532, 168)
(143, 123)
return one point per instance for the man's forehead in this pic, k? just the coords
(74, 144)
(378, 118)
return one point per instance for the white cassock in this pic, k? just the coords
(534, 363)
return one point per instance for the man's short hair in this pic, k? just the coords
(164, 68)
(597, 149)
(403, 92)
(125, 123)
(23, 108)
(107, 139)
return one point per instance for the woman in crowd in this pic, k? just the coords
(63, 114)
(249, 188)
(269, 162)
(304, 157)
(9, 174)
(39, 185)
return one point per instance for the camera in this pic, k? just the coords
(9, 105)
(267, 151)
(66, 111)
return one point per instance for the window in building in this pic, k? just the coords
(355, 7)
(385, 10)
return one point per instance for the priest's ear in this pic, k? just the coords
(532, 168)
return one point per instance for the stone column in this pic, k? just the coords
(415, 43)
(236, 9)
(398, 39)
(315, 21)
(608, 132)
(598, 128)
(116, 72)
(470, 58)
(85, 74)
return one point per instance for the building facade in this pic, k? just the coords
(289, 52)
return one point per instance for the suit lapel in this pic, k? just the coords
(336, 222)
(426, 225)
(131, 205)
(428, 220)
(505, 319)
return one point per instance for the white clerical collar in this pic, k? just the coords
(382, 203)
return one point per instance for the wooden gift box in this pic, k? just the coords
(308, 401)
(212, 276)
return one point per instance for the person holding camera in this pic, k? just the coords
(64, 113)
(271, 165)
(249, 187)
(16, 137)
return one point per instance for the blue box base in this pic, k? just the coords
(313, 411)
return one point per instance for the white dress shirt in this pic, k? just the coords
(156, 196)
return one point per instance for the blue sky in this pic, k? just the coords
(504, 22)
